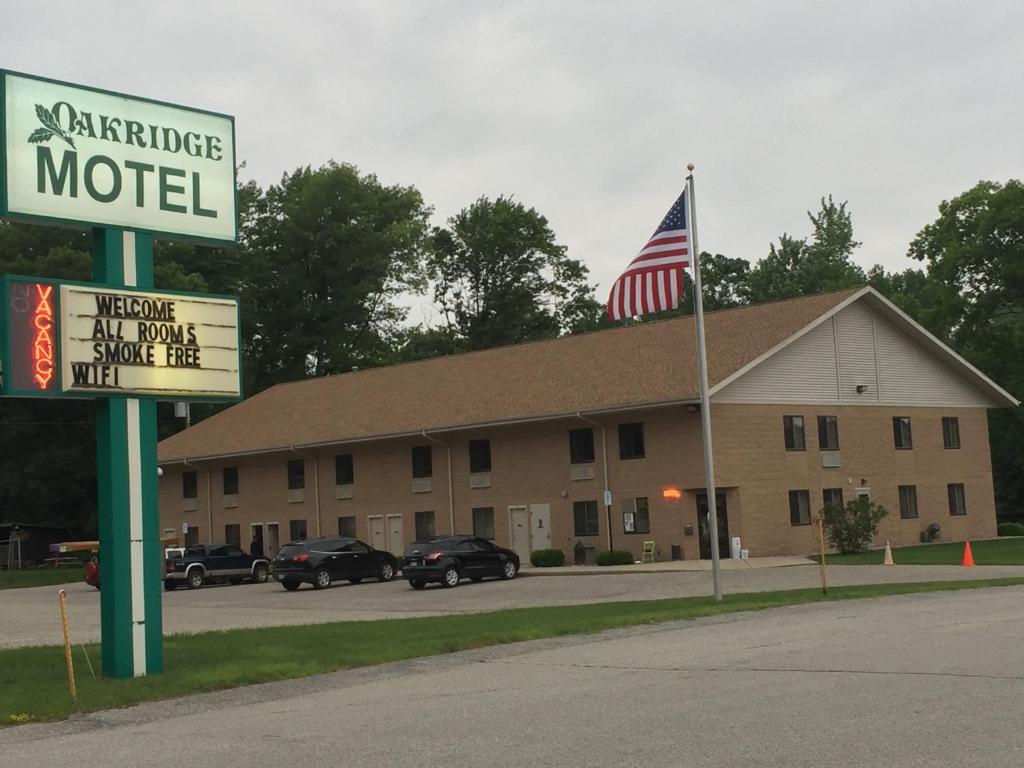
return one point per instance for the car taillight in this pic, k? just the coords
(300, 558)
(434, 556)
(170, 566)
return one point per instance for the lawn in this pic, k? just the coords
(33, 682)
(1004, 551)
(39, 577)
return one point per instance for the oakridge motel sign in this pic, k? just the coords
(129, 170)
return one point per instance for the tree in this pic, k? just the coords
(327, 256)
(800, 267)
(975, 252)
(500, 277)
(852, 527)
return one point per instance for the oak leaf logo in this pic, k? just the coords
(50, 128)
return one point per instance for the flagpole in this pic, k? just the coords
(705, 403)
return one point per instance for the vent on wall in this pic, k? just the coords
(230, 501)
(422, 485)
(296, 495)
(189, 505)
(343, 491)
(831, 459)
(581, 472)
(480, 480)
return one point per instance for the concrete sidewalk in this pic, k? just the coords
(669, 566)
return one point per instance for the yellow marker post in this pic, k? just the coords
(821, 542)
(63, 599)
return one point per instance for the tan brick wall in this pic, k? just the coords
(531, 463)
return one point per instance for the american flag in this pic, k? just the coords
(653, 281)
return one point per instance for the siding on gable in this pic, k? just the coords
(867, 351)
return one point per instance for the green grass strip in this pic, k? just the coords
(39, 577)
(1006, 551)
(33, 684)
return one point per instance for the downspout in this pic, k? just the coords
(209, 496)
(316, 485)
(604, 461)
(451, 490)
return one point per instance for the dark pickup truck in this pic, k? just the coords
(212, 563)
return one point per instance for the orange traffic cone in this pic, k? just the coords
(887, 560)
(968, 561)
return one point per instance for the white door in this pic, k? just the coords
(396, 541)
(540, 526)
(519, 527)
(378, 533)
(272, 541)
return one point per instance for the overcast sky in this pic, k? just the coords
(587, 111)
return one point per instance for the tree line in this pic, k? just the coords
(326, 256)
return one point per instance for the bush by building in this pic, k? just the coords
(547, 558)
(851, 528)
(615, 557)
(1011, 529)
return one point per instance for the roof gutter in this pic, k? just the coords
(438, 430)
(451, 488)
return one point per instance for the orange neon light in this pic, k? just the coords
(671, 494)
(42, 345)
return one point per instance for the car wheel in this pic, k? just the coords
(417, 583)
(450, 577)
(194, 578)
(509, 570)
(260, 574)
(321, 578)
(169, 585)
(290, 585)
(386, 572)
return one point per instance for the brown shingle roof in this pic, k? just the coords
(632, 365)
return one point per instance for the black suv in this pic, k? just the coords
(447, 559)
(320, 561)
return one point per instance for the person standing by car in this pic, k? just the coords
(256, 546)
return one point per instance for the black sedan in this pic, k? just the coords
(447, 559)
(321, 561)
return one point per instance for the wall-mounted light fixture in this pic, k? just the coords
(862, 388)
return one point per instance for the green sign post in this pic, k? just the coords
(128, 169)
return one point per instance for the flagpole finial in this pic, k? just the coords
(689, 167)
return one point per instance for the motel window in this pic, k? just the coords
(950, 432)
(832, 497)
(793, 430)
(799, 507)
(581, 446)
(347, 526)
(631, 441)
(479, 456)
(585, 518)
(343, 470)
(422, 462)
(957, 501)
(908, 502)
(296, 474)
(233, 534)
(636, 516)
(189, 485)
(483, 522)
(230, 481)
(828, 433)
(296, 530)
(901, 433)
(425, 525)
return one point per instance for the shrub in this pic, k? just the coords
(547, 558)
(851, 528)
(615, 557)
(1011, 529)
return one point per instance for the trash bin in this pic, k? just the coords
(677, 552)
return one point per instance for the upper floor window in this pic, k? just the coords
(828, 433)
(344, 472)
(230, 475)
(296, 474)
(631, 441)
(950, 432)
(793, 430)
(581, 446)
(479, 456)
(901, 432)
(189, 485)
(422, 461)
(957, 501)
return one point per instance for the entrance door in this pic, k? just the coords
(396, 537)
(519, 538)
(192, 536)
(273, 540)
(705, 526)
(378, 533)
(540, 526)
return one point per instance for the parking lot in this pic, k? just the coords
(30, 616)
